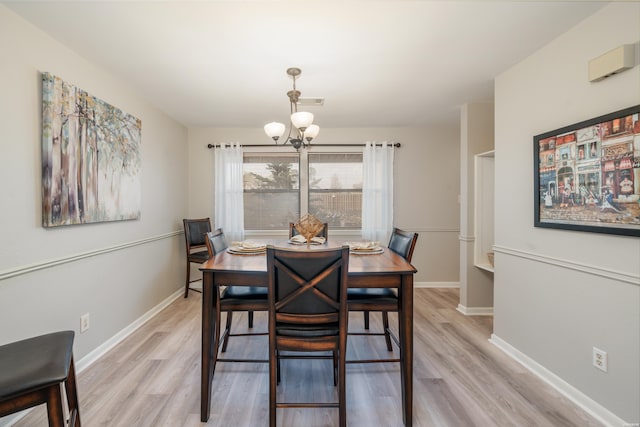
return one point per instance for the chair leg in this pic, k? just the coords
(366, 319)
(54, 406)
(250, 314)
(227, 331)
(335, 368)
(385, 325)
(342, 395)
(273, 362)
(72, 397)
(278, 366)
(187, 280)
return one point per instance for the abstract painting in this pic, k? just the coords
(91, 162)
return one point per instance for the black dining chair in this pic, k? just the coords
(233, 298)
(384, 300)
(196, 251)
(308, 313)
(32, 372)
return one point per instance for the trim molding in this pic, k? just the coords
(621, 276)
(18, 271)
(436, 284)
(466, 238)
(102, 349)
(587, 404)
(432, 229)
(353, 232)
(475, 311)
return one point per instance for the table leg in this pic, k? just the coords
(208, 327)
(406, 348)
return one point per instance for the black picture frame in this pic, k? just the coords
(587, 175)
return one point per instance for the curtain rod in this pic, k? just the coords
(394, 144)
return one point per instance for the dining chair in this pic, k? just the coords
(233, 298)
(195, 245)
(384, 300)
(308, 313)
(33, 371)
(323, 233)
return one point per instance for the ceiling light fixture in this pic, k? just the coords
(301, 120)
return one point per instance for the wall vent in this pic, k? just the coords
(612, 62)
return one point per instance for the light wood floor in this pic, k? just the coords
(460, 379)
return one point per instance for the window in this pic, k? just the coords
(271, 190)
(279, 188)
(335, 189)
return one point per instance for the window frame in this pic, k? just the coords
(303, 182)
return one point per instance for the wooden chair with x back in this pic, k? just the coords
(308, 313)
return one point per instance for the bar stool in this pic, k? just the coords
(32, 373)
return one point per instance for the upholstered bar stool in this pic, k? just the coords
(32, 372)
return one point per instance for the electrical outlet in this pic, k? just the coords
(84, 322)
(600, 359)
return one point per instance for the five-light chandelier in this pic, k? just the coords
(301, 120)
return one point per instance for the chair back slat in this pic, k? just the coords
(307, 319)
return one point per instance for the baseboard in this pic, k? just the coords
(587, 404)
(101, 350)
(436, 284)
(475, 311)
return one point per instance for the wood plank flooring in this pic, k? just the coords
(460, 379)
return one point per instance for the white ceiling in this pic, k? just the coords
(376, 63)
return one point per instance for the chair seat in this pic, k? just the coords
(201, 256)
(373, 295)
(307, 331)
(242, 293)
(35, 363)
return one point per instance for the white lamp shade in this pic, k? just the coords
(302, 119)
(311, 132)
(274, 129)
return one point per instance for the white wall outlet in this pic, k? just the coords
(84, 322)
(600, 359)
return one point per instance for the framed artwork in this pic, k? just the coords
(91, 162)
(587, 175)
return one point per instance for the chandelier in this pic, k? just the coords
(301, 120)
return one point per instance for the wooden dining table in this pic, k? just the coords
(385, 270)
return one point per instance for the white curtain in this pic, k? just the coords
(377, 192)
(229, 205)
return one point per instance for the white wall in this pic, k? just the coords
(560, 293)
(426, 186)
(116, 271)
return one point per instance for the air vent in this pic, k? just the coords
(616, 60)
(318, 102)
